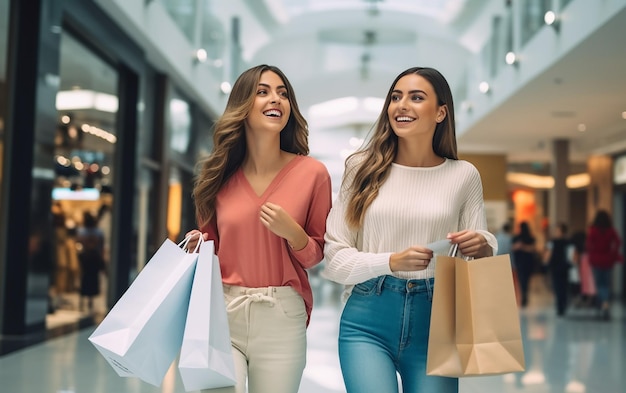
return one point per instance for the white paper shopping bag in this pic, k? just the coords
(141, 335)
(206, 359)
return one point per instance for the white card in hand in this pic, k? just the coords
(440, 247)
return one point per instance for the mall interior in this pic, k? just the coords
(106, 106)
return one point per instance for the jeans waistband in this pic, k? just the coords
(413, 285)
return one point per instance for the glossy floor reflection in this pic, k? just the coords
(572, 354)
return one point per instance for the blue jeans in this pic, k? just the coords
(602, 276)
(383, 330)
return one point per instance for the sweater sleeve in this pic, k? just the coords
(473, 212)
(345, 264)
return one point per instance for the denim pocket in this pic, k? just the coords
(366, 288)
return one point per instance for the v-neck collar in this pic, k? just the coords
(273, 184)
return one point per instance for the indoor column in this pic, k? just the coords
(558, 208)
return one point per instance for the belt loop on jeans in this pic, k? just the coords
(379, 286)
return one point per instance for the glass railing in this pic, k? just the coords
(532, 18)
(202, 29)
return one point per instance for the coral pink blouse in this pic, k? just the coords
(251, 255)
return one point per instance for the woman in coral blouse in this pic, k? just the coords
(264, 203)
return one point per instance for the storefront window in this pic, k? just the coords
(85, 146)
(180, 124)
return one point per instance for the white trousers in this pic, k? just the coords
(268, 336)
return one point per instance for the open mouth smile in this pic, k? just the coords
(273, 113)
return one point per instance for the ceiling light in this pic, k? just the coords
(86, 99)
(551, 19)
(466, 106)
(510, 58)
(201, 56)
(225, 87)
(579, 180)
(574, 181)
(530, 180)
(484, 88)
(582, 127)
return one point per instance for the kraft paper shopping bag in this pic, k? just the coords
(475, 327)
(206, 358)
(142, 333)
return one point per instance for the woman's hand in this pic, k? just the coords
(277, 220)
(412, 259)
(194, 235)
(471, 243)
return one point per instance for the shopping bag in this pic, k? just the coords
(587, 281)
(142, 333)
(475, 326)
(206, 358)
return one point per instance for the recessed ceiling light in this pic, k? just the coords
(483, 87)
(552, 19)
(225, 87)
(549, 17)
(201, 55)
(510, 58)
(582, 127)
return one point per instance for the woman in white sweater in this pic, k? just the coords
(404, 191)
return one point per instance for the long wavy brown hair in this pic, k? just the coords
(229, 140)
(371, 163)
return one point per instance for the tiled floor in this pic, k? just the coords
(573, 354)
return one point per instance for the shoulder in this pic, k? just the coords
(593, 231)
(464, 173)
(352, 165)
(462, 167)
(312, 165)
(354, 161)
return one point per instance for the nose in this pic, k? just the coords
(402, 104)
(274, 98)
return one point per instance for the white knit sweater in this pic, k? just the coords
(415, 206)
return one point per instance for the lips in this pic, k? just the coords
(404, 119)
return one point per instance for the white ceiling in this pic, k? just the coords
(319, 45)
(587, 85)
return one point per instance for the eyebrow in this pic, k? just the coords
(268, 86)
(411, 91)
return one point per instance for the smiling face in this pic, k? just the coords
(271, 107)
(414, 108)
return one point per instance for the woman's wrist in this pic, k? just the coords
(486, 251)
(298, 242)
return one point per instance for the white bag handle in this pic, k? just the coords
(183, 244)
